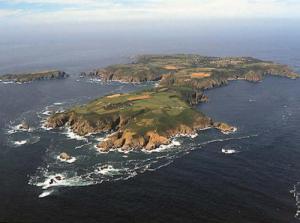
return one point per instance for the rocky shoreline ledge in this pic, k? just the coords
(150, 118)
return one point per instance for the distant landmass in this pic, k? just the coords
(28, 77)
(149, 118)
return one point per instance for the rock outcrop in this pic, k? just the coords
(24, 125)
(126, 140)
(224, 127)
(253, 76)
(83, 126)
(64, 156)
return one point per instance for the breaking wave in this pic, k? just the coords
(27, 141)
(71, 160)
(92, 167)
(71, 135)
(296, 193)
(46, 193)
(19, 143)
(6, 82)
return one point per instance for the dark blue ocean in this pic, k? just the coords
(188, 181)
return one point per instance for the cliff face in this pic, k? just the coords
(129, 140)
(253, 76)
(27, 77)
(193, 97)
(127, 73)
(82, 125)
(150, 140)
(137, 120)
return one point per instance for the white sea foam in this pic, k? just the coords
(14, 129)
(9, 132)
(47, 112)
(108, 170)
(194, 135)
(120, 150)
(174, 143)
(18, 128)
(7, 82)
(46, 180)
(227, 139)
(81, 146)
(29, 140)
(229, 151)
(128, 166)
(71, 160)
(296, 195)
(43, 126)
(70, 134)
(95, 80)
(19, 143)
(56, 181)
(99, 149)
(46, 193)
(95, 175)
(58, 103)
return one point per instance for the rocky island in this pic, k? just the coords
(149, 118)
(28, 77)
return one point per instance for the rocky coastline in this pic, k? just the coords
(126, 139)
(150, 118)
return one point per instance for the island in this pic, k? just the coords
(28, 77)
(150, 118)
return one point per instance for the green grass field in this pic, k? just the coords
(154, 110)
